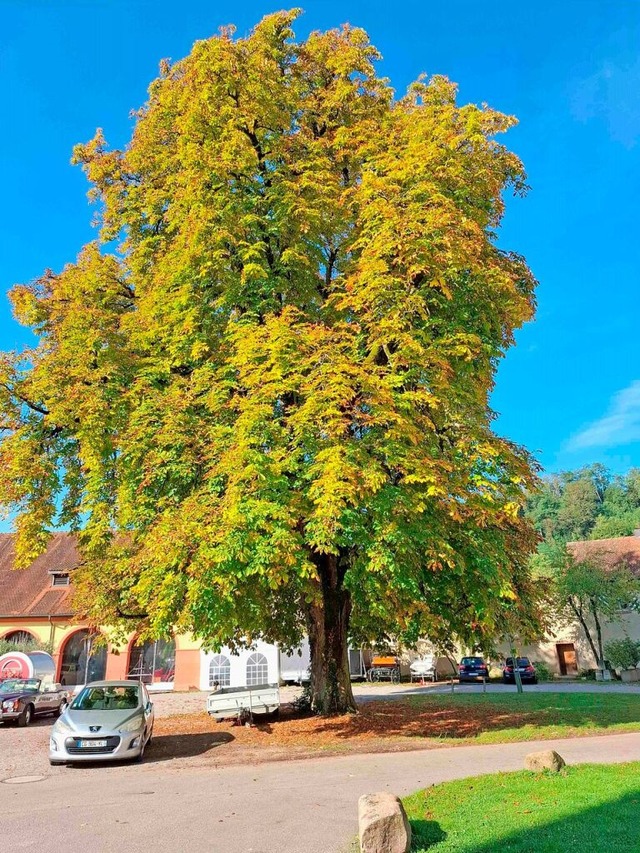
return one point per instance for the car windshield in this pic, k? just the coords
(115, 698)
(20, 685)
(472, 661)
(521, 661)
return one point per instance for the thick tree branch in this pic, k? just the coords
(33, 406)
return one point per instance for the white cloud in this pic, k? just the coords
(621, 424)
(611, 94)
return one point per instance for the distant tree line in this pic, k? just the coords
(591, 503)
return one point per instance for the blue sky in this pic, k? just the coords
(570, 71)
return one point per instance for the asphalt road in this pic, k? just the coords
(287, 807)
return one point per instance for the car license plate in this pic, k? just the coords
(87, 744)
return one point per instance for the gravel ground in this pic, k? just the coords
(168, 704)
(25, 751)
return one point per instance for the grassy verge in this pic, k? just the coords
(501, 718)
(591, 808)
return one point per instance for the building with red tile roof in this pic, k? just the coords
(36, 605)
(566, 650)
(625, 550)
(44, 588)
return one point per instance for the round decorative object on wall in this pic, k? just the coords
(15, 665)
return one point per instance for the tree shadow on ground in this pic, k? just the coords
(452, 718)
(168, 747)
(612, 827)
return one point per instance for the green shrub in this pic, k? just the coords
(543, 670)
(588, 674)
(30, 646)
(302, 704)
(623, 654)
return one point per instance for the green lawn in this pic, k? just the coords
(590, 809)
(503, 717)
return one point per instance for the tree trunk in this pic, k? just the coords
(578, 611)
(328, 626)
(594, 611)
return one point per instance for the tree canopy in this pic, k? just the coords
(590, 503)
(267, 411)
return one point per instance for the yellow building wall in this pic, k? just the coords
(56, 632)
(48, 632)
(626, 625)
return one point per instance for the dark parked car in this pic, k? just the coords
(471, 669)
(22, 699)
(524, 667)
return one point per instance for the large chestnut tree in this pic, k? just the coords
(266, 412)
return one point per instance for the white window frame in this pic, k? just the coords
(220, 671)
(257, 664)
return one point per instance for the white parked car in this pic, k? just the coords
(106, 721)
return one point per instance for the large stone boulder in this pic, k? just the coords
(383, 824)
(546, 759)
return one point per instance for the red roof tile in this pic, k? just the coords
(29, 592)
(624, 549)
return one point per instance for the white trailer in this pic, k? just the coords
(243, 702)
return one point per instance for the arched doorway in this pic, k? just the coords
(83, 660)
(153, 662)
(20, 638)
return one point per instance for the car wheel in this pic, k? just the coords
(26, 716)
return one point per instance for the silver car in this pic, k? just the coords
(106, 721)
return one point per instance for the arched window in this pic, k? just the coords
(153, 662)
(83, 660)
(257, 669)
(220, 671)
(20, 638)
